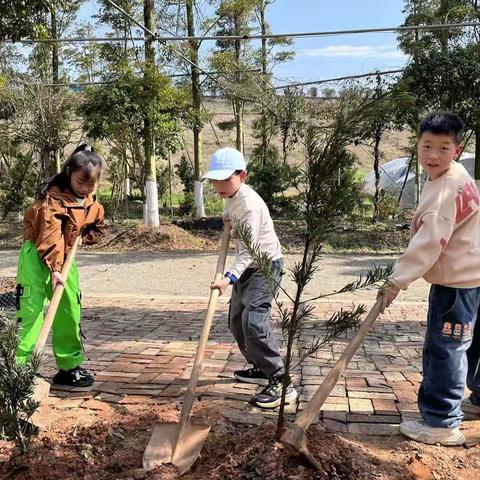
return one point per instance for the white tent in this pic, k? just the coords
(393, 173)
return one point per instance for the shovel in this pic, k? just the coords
(42, 388)
(181, 443)
(295, 436)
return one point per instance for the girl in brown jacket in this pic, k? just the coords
(65, 208)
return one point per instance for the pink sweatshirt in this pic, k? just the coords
(444, 243)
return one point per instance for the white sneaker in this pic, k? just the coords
(418, 430)
(469, 407)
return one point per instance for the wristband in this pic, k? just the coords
(232, 277)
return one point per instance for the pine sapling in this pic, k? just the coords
(17, 383)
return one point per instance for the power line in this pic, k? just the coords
(108, 82)
(163, 39)
(337, 79)
(291, 85)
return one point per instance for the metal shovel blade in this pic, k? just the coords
(41, 418)
(165, 447)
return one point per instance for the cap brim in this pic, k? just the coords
(217, 175)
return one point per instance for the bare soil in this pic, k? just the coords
(95, 440)
(7, 284)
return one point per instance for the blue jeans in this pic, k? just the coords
(451, 354)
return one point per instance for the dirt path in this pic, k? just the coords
(177, 275)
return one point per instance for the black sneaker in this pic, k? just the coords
(251, 375)
(271, 395)
(76, 377)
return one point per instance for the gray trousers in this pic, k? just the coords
(249, 320)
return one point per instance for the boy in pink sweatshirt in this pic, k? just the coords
(444, 249)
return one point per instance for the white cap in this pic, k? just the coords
(224, 163)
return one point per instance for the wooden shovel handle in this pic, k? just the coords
(207, 324)
(315, 404)
(56, 297)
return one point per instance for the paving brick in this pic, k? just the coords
(335, 407)
(373, 429)
(394, 377)
(360, 405)
(406, 396)
(384, 406)
(147, 354)
(335, 426)
(359, 418)
(356, 394)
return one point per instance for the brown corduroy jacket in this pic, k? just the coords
(54, 223)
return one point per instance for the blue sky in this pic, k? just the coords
(333, 56)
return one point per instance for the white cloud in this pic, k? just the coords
(386, 52)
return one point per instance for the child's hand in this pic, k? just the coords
(221, 285)
(388, 293)
(57, 279)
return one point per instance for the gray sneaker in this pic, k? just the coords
(471, 405)
(419, 431)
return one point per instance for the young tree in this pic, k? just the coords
(40, 120)
(327, 193)
(46, 65)
(17, 383)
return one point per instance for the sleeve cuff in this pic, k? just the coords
(232, 277)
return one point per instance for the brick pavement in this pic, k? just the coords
(142, 351)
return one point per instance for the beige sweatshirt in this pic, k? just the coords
(247, 206)
(444, 244)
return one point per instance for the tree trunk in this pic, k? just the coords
(151, 216)
(55, 79)
(238, 103)
(239, 125)
(197, 122)
(263, 27)
(376, 168)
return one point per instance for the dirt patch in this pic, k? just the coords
(89, 441)
(144, 237)
(7, 284)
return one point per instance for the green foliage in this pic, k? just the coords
(17, 382)
(119, 109)
(443, 63)
(185, 172)
(17, 184)
(328, 191)
(271, 178)
(434, 12)
(443, 80)
(116, 113)
(213, 202)
(19, 18)
(388, 206)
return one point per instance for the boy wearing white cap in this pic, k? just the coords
(251, 301)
